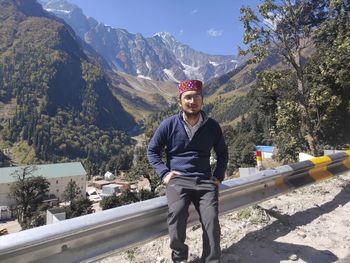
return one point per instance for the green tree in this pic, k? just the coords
(286, 28)
(122, 161)
(241, 141)
(78, 204)
(71, 192)
(142, 169)
(328, 72)
(28, 192)
(79, 207)
(126, 197)
(109, 202)
(144, 194)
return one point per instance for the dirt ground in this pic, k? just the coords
(12, 226)
(311, 224)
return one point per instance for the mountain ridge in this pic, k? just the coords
(61, 104)
(160, 57)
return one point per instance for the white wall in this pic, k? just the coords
(5, 199)
(57, 187)
(59, 184)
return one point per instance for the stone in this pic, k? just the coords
(301, 233)
(195, 227)
(293, 257)
(160, 260)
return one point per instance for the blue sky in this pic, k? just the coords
(210, 26)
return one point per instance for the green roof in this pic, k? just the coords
(45, 170)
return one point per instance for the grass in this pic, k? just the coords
(254, 215)
(130, 253)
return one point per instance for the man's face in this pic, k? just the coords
(191, 102)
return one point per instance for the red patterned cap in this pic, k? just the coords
(190, 84)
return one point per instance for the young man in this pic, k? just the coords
(188, 138)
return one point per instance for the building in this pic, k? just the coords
(266, 151)
(100, 183)
(58, 175)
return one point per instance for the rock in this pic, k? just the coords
(195, 227)
(160, 259)
(301, 233)
(225, 246)
(293, 257)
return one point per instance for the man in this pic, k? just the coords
(189, 138)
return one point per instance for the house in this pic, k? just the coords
(58, 175)
(266, 151)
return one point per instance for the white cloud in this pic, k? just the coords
(215, 32)
(181, 32)
(194, 11)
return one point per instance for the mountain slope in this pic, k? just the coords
(227, 96)
(160, 57)
(63, 104)
(142, 97)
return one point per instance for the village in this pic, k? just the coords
(59, 176)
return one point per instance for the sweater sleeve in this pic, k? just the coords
(154, 150)
(221, 151)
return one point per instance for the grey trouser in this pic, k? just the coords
(180, 192)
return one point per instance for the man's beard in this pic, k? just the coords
(191, 113)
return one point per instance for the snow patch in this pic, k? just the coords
(58, 10)
(215, 64)
(148, 65)
(170, 74)
(144, 77)
(191, 72)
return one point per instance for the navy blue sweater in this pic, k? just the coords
(189, 157)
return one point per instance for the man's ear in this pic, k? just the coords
(179, 100)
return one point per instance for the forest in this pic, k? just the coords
(294, 89)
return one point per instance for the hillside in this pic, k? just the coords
(160, 57)
(142, 97)
(233, 90)
(57, 102)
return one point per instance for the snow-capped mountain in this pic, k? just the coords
(160, 57)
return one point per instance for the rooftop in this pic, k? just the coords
(45, 170)
(265, 148)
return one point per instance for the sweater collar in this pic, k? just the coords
(204, 116)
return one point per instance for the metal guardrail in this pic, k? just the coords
(95, 236)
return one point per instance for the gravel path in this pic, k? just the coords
(311, 224)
